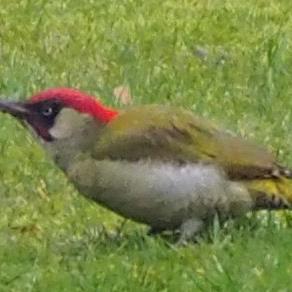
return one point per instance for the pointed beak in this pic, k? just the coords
(16, 109)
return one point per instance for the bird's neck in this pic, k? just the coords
(74, 135)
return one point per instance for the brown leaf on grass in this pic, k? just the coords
(123, 95)
(30, 229)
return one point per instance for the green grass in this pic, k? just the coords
(227, 60)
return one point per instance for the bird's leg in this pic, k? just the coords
(154, 231)
(189, 229)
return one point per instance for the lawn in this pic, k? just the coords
(230, 61)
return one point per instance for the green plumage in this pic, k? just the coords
(163, 166)
(175, 135)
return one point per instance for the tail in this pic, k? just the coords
(274, 193)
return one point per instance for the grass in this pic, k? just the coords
(227, 60)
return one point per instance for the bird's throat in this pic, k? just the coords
(74, 135)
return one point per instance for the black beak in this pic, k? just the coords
(16, 109)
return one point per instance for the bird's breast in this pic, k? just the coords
(156, 193)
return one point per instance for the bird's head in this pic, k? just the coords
(44, 110)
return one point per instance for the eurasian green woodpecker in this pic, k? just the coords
(155, 164)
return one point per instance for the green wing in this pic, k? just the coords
(170, 134)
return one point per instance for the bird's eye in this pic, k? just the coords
(48, 111)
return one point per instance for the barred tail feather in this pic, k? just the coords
(271, 193)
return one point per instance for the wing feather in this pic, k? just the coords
(170, 134)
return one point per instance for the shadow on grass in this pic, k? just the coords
(130, 237)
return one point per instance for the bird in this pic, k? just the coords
(159, 165)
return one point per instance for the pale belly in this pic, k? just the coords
(160, 195)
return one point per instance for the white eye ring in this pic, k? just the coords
(47, 111)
